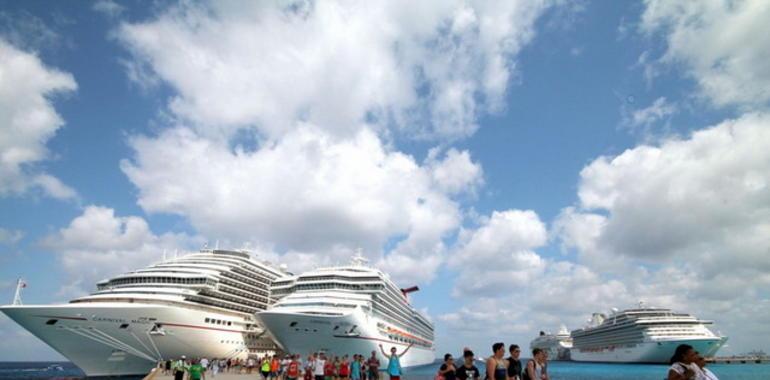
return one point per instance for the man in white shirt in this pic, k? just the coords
(318, 367)
(205, 363)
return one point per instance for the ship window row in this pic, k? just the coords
(337, 277)
(235, 299)
(234, 291)
(214, 321)
(224, 304)
(300, 287)
(248, 288)
(407, 324)
(156, 280)
(245, 278)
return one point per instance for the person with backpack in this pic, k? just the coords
(536, 367)
(514, 363)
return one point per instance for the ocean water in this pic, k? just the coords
(600, 371)
(558, 370)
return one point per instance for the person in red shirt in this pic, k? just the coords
(344, 368)
(292, 371)
(329, 370)
(275, 367)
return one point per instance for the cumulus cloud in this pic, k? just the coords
(109, 8)
(28, 120)
(98, 244)
(685, 222)
(716, 44)
(430, 67)
(645, 118)
(307, 191)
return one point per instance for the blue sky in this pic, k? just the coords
(526, 163)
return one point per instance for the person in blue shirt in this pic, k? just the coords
(394, 363)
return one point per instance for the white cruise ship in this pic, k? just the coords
(347, 310)
(557, 345)
(199, 305)
(642, 335)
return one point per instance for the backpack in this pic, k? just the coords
(525, 373)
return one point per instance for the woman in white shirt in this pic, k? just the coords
(705, 373)
(683, 366)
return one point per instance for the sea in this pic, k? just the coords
(558, 371)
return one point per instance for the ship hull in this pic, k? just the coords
(346, 334)
(647, 352)
(116, 339)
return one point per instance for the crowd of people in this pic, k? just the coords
(497, 366)
(289, 367)
(686, 364)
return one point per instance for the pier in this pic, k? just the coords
(739, 360)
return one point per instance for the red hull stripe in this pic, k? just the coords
(199, 327)
(370, 338)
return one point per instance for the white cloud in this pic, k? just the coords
(306, 191)
(98, 244)
(685, 223)
(717, 44)
(645, 118)
(109, 8)
(431, 68)
(28, 120)
(10, 237)
(499, 253)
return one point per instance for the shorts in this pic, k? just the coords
(319, 377)
(398, 377)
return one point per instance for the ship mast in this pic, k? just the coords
(20, 284)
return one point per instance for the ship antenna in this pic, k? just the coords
(20, 284)
(359, 259)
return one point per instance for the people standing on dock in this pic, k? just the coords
(373, 366)
(537, 367)
(447, 369)
(497, 367)
(265, 367)
(394, 361)
(706, 373)
(177, 368)
(344, 368)
(292, 368)
(467, 371)
(355, 367)
(319, 367)
(514, 363)
(196, 371)
(683, 364)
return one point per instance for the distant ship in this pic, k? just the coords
(556, 345)
(642, 335)
(347, 310)
(198, 305)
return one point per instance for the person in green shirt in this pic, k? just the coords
(196, 371)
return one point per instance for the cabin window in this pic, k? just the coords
(51, 322)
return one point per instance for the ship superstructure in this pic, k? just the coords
(642, 335)
(556, 345)
(347, 310)
(199, 305)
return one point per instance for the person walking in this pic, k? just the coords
(497, 367)
(196, 371)
(373, 366)
(683, 364)
(394, 361)
(177, 368)
(537, 366)
(265, 367)
(447, 369)
(467, 371)
(514, 363)
(292, 369)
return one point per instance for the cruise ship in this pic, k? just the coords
(642, 335)
(199, 305)
(347, 310)
(556, 345)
